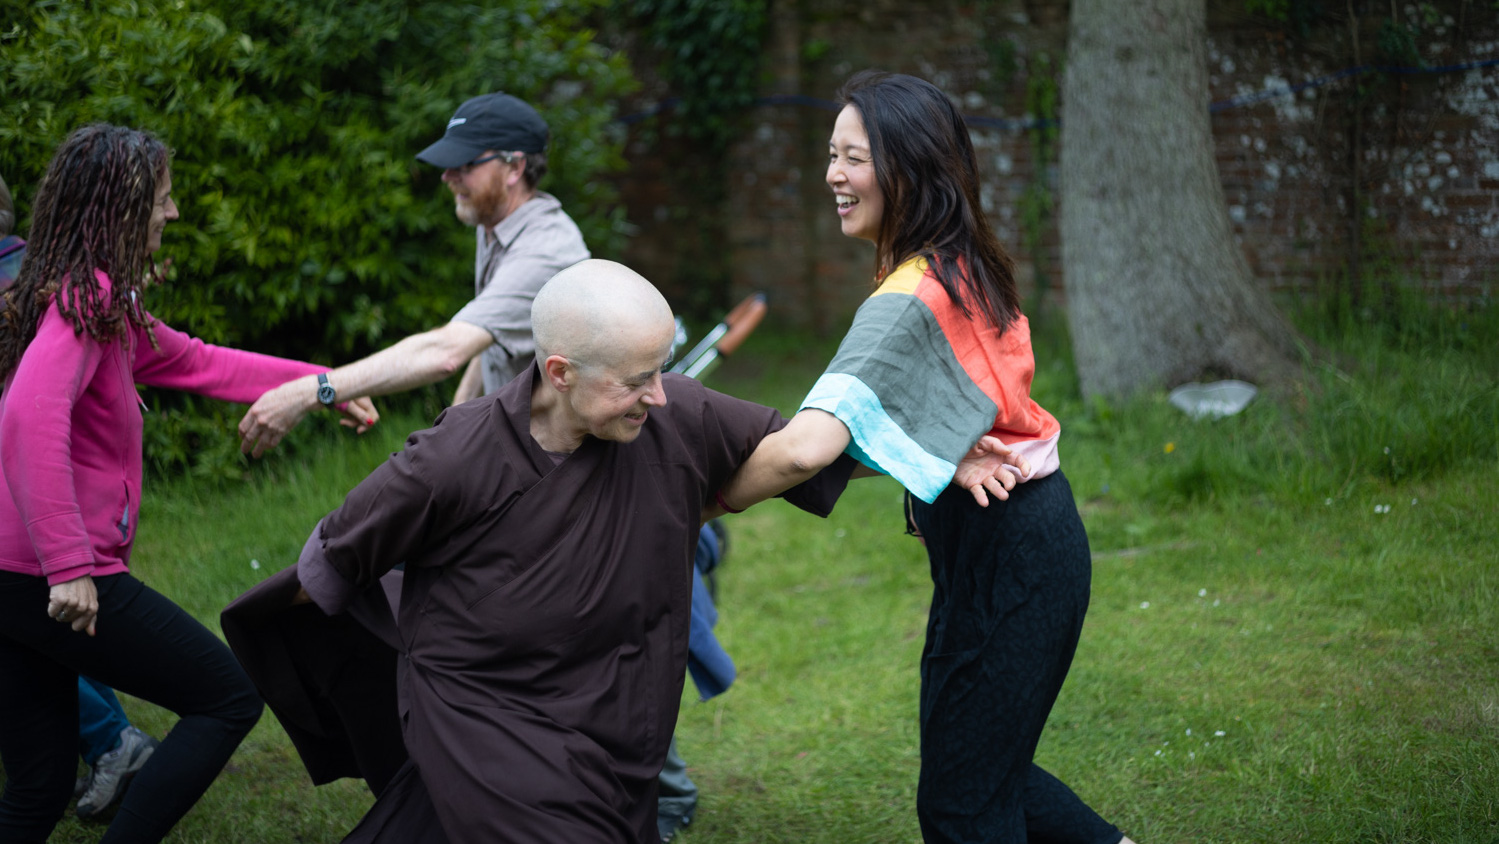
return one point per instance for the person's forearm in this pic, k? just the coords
(811, 441)
(770, 470)
(416, 361)
(413, 362)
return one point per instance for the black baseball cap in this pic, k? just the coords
(493, 121)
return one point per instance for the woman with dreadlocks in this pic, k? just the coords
(75, 339)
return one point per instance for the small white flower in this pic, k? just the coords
(1191, 754)
(1144, 605)
(1215, 602)
(1328, 502)
(1219, 733)
(1202, 593)
(1386, 449)
(1413, 502)
(1158, 753)
(255, 564)
(1189, 731)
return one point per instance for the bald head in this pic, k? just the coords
(598, 314)
(602, 337)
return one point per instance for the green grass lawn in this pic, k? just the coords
(1292, 634)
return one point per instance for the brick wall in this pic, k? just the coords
(1424, 152)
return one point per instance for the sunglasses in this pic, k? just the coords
(504, 157)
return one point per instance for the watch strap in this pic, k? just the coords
(325, 392)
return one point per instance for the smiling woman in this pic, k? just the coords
(75, 339)
(934, 373)
(163, 210)
(852, 177)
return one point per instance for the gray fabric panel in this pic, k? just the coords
(896, 347)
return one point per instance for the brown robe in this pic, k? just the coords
(541, 626)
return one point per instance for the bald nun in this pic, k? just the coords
(519, 682)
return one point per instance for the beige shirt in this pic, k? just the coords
(534, 243)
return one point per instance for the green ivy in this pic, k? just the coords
(1036, 204)
(308, 229)
(999, 45)
(710, 56)
(1297, 15)
(1274, 9)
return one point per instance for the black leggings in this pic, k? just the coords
(1010, 589)
(146, 646)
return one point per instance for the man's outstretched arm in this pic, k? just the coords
(417, 360)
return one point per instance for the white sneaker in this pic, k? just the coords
(113, 771)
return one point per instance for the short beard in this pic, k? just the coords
(476, 211)
(467, 214)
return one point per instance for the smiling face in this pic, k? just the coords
(851, 175)
(612, 401)
(165, 209)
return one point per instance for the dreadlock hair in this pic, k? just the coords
(928, 175)
(92, 211)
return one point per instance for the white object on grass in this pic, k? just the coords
(1213, 401)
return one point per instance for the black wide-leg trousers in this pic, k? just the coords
(1011, 586)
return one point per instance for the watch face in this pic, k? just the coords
(325, 394)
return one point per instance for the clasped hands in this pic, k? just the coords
(990, 468)
(279, 410)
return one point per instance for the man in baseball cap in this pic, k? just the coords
(492, 121)
(492, 154)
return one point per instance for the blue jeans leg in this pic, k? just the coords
(678, 794)
(101, 719)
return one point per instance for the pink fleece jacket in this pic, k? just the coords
(70, 437)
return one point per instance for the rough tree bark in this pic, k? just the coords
(1158, 292)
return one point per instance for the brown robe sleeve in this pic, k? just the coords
(329, 680)
(819, 493)
(391, 517)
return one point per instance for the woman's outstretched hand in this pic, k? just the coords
(359, 414)
(990, 468)
(75, 603)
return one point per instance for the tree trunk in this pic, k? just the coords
(1158, 292)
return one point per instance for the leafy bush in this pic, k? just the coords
(308, 228)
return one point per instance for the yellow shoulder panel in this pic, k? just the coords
(905, 278)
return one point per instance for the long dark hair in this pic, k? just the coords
(92, 211)
(927, 171)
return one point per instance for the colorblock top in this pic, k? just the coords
(917, 383)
